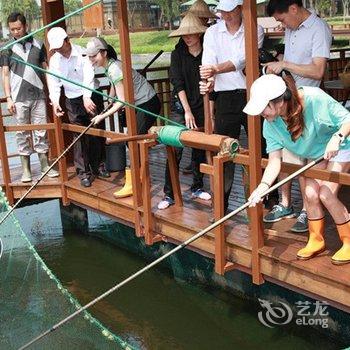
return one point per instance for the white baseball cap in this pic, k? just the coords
(56, 37)
(94, 46)
(228, 5)
(262, 91)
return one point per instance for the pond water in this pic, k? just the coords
(156, 311)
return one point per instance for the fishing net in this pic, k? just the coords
(32, 299)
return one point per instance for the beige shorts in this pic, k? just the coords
(289, 157)
(343, 156)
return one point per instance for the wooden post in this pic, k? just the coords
(52, 11)
(5, 162)
(93, 17)
(130, 112)
(146, 191)
(62, 164)
(221, 264)
(208, 129)
(254, 129)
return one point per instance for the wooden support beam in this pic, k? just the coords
(221, 264)
(113, 136)
(254, 129)
(93, 16)
(208, 129)
(51, 11)
(148, 218)
(207, 169)
(29, 127)
(123, 27)
(333, 176)
(146, 192)
(62, 164)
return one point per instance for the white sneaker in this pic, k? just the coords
(201, 195)
(166, 202)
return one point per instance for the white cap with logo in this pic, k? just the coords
(56, 37)
(263, 90)
(228, 5)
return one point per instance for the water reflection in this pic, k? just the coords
(155, 311)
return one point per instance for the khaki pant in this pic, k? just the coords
(31, 112)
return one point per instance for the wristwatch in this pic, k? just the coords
(340, 136)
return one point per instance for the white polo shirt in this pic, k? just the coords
(221, 46)
(75, 68)
(311, 39)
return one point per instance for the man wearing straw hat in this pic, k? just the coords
(223, 62)
(187, 102)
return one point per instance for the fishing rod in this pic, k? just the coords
(51, 166)
(171, 252)
(67, 150)
(144, 69)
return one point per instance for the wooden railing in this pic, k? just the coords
(215, 171)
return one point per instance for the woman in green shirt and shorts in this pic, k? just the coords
(308, 123)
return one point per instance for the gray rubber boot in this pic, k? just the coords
(44, 164)
(27, 175)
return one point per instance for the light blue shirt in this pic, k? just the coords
(323, 116)
(311, 39)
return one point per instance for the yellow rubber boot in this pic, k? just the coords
(342, 256)
(315, 244)
(126, 191)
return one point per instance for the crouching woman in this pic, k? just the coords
(308, 123)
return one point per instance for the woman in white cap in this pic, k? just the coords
(103, 55)
(309, 123)
(187, 102)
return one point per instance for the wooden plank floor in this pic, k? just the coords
(278, 257)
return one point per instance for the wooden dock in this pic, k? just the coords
(317, 277)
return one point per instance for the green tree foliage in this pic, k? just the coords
(72, 5)
(324, 6)
(170, 9)
(29, 8)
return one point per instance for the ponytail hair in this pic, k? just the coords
(295, 118)
(111, 53)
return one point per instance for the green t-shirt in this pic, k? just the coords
(323, 116)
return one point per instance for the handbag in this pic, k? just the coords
(345, 76)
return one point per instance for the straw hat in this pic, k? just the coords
(190, 24)
(200, 9)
